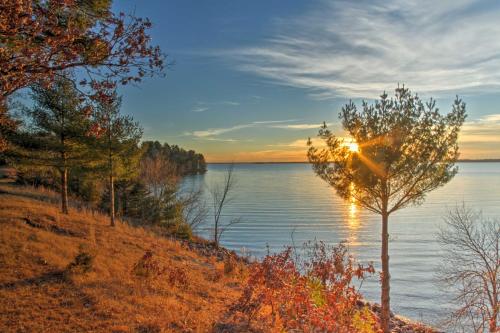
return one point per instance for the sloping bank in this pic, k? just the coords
(74, 273)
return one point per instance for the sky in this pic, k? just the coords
(252, 80)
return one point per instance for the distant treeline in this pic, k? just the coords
(187, 162)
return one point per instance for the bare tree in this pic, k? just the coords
(471, 269)
(222, 195)
(159, 174)
(194, 207)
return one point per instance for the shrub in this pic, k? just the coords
(148, 266)
(317, 295)
(82, 263)
(183, 231)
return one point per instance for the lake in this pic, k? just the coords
(275, 201)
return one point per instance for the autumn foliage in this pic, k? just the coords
(41, 39)
(315, 295)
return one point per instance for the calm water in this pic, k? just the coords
(273, 200)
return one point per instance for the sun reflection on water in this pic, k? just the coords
(353, 222)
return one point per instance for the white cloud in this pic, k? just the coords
(361, 48)
(211, 132)
(205, 106)
(218, 131)
(200, 109)
(299, 143)
(298, 126)
(232, 103)
(482, 130)
(491, 118)
(302, 143)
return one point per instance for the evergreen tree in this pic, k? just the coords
(57, 135)
(404, 148)
(117, 144)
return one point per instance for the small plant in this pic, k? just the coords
(183, 231)
(148, 266)
(82, 263)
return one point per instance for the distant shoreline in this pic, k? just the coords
(486, 160)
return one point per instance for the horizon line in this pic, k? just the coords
(465, 160)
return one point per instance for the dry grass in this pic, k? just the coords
(39, 294)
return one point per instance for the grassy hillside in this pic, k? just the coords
(75, 273)
(43, 288)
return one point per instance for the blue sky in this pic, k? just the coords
(251, 80)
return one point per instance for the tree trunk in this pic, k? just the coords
(493, 320)
(385, 299)
(216, 232)
(112, 199)
(64, 190)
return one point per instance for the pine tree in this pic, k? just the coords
(57, 136)
(116, 145)
(403, 149)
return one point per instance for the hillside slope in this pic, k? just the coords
(171, 289)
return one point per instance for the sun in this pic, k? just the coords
(353, 147)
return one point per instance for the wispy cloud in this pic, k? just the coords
(211, 132)
(232, 103)
(261, 155)
(302, 143)
(360, 48)
(200, 109)
(218, 131)
(298, 126)
(220, 140)
(482, 130)
(205, 106)
(299, 143)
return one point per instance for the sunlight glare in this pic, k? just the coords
(353, 147)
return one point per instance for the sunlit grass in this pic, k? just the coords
(109, 294)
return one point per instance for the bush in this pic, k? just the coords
(148, 266)
(82, 263)
(183, 231)
(320, 299)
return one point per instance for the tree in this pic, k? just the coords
(403, 148)
(221, 195)
(159, 174)
(193, 207)
(39, 39)
(7, 126)
(42, 39)
(60, 125)
(185, 162)
(117, 144)
(471, 268)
